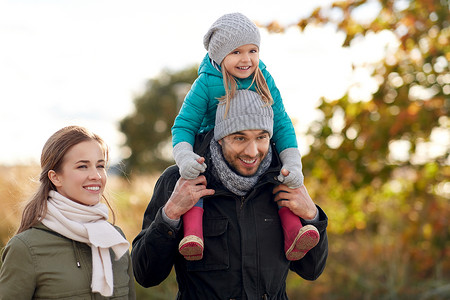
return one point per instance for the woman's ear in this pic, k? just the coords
(54, 178)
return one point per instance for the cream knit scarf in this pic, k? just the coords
(87, 224)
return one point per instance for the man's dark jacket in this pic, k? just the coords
(244, 246)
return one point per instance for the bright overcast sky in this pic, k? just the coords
(65, 62)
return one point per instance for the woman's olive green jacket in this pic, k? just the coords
(42, 264)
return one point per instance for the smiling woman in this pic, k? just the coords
(66, 221)
(83, 175)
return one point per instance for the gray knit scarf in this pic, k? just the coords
(238, 184)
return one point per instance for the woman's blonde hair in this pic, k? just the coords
(52, 158)
(230, 84)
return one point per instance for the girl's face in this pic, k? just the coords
(243, 61)
(83, 174)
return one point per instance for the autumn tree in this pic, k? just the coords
(148, 128)
(381, 165)
(408, 113)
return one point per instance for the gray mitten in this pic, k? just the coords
(292, 161)
(186, 160)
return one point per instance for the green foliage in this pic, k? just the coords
(147, 129)
(389, 227)
(356, 160)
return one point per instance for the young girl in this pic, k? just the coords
(232, 63)
(64, 247)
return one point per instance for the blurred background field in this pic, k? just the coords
(382, 249)
(376, 157)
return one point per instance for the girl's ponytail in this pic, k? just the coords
(261, 86)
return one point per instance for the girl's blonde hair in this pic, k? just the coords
(52, 158)
(230, 84)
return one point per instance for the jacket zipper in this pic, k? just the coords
(242, 202)
(75, 251)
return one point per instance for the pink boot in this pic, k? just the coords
(298, 239)
(191, 246)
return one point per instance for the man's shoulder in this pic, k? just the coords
(202, 141)
(170, 172)
(166, 182)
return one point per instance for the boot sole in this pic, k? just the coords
(191, 247)
(306, 239)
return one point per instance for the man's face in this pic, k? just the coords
(245, 150)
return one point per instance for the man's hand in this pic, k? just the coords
(297, 200)
(185, 195)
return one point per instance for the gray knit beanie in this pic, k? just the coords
(229, 32)
(247, 112)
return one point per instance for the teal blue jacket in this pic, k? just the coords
(198, 112)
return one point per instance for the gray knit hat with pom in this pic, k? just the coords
(247, 112)
(229, 32)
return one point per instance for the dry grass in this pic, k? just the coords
(128, 198)
(362, 264)
(17, 184)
